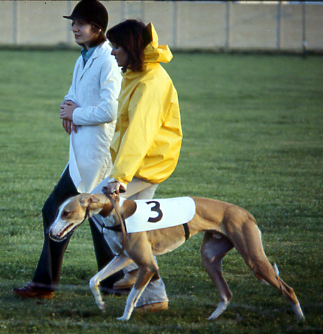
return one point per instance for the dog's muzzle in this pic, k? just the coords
(62, 235)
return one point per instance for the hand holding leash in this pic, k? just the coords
(112, 188)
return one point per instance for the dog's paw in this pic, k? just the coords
(123, 319)
(103, 307)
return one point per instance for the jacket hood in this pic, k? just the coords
(155, 53)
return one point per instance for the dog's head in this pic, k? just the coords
(73, 212)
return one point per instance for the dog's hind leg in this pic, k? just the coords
(118, 263)
(248, 243)
(213, 249)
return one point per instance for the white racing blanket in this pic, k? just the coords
(155, 214)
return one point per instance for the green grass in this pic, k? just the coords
(252, 136)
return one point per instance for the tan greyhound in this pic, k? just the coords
(224, 225)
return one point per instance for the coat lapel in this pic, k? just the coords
(90, 61)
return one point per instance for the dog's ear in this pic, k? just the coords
(94, 202)
(90, 201)
(87, 199)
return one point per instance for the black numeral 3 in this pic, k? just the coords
(155, 208)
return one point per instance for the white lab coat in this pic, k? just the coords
(95, 89)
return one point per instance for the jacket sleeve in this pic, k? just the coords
(106, 110)
(145, 119)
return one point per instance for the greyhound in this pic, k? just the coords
(225, 226)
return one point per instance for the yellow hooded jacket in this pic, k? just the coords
(148, 134)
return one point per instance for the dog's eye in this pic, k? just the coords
(66, 214)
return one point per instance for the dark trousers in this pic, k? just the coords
(49, 266)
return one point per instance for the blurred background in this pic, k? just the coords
(288, 26)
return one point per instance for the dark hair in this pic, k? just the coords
(133, 36)
(100, 39)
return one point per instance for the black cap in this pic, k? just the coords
(91, 11)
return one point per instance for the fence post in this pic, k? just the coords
(175, 19)
(142, 10)
(278, 25)
(304, 28)
(68, 23)
(15, 22)
(227, 26)
(123, 10)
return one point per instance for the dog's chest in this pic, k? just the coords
(160, 213)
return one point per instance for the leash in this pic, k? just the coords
(87, 213)
(121, 220)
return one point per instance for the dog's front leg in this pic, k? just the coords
(135, 293)
(118, 263)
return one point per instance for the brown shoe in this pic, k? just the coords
(155, 307)
(32, 291)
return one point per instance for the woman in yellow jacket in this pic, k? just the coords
(148, 136)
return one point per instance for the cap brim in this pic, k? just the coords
(71, 17)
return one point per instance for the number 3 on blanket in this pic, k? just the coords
(161, 213)
(155, 208)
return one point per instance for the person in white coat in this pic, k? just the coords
(88, 114)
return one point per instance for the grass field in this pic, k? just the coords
(253, 136)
